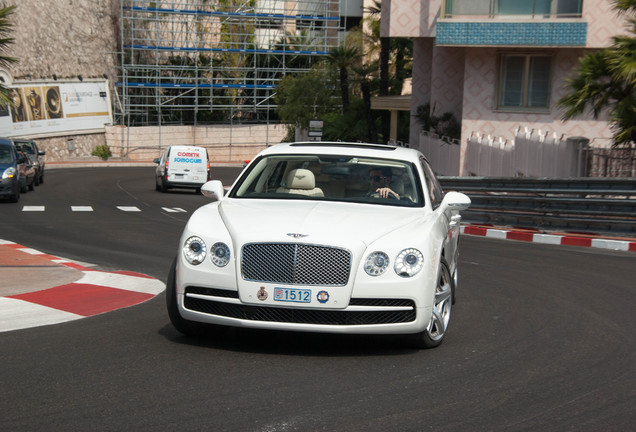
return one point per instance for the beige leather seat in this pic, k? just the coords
(302, 182)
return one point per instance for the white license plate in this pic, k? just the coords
(292, 295)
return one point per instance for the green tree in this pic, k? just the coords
(6, 28)
(605, 82)
(364, 75)
(344, 58)
(375, 10)
(305, 96)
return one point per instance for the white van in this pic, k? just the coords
(182, 167)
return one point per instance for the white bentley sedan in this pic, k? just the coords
(322, 237)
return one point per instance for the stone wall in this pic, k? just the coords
(225, 143)
(72, 147)
(64, 38)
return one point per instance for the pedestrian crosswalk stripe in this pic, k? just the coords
(87, 208)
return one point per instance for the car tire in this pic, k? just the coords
(42, 177)
(32, 185)
(436, 330)
(36, 180)
(23, 188)
(162, 186)
(16, 196)
(187, 327)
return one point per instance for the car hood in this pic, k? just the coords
(284, 220)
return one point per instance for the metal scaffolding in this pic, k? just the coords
(206, 61)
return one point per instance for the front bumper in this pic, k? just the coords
(361, 315)
(8, 187)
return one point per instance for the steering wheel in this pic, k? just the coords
(391, 195)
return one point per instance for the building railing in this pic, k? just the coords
(512, 9)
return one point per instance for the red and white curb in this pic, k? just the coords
(96, 292)
(555, 239)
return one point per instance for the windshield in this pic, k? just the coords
(6, 154)
(331, 178)
(26, 147)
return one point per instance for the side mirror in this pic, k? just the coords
(156, 160)
(41, 152)
(213, 190)
(455, 201)
(22, 159)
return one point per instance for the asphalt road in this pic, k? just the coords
(542, 338)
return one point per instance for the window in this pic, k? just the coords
(524, 82)
(435, 192)
(268, 23)
(516, 7)
(344, 178)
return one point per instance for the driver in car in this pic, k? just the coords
(379, 181)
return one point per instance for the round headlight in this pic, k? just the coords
(376, 263)
(220, 254)
(409, 262)
(194, 250)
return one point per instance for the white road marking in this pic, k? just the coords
(123, 282)
(87, 208)
(31, 251)
(19, 314)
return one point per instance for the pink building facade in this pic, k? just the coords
(501, 64)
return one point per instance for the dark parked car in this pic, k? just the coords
(10, 176)
(36, 155)
(27, 172)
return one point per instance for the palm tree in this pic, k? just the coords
(344, 58)
(605, 81)
(385, 47)
(364, 74)
(5, 40)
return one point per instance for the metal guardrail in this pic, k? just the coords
(579, 204)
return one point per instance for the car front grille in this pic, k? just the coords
(300, 315)
(296, 264)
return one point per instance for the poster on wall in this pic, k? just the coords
(55, 108)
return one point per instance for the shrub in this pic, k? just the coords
(102, 151)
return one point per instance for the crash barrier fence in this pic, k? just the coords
(589, 205)
(530, 154)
